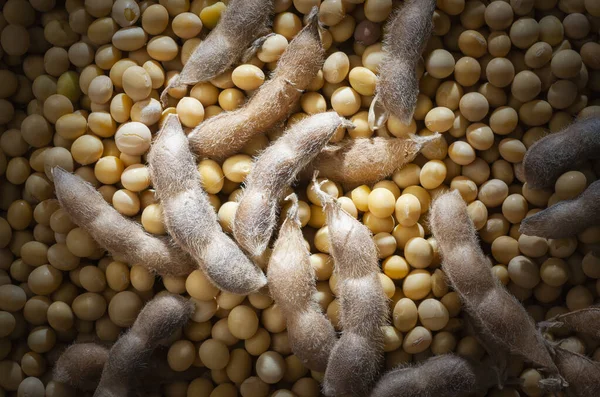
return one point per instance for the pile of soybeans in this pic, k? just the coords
(299, 198)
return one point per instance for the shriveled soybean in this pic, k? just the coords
(566, 218)
(190, 218)
(586, 321)
(292, 285)
(158, 320)
(364, 161)
(408, 31)
(447, 375)
(357, 357)
(243, 22)
(274, 171)
(226, 133)
(557, 153)
(121, 236)
(494, 310)
(582, 373)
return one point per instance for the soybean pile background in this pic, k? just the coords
(299, 198)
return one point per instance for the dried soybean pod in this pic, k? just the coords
(243, 22)
(447, 375)
(553, 155)
(497, 355)
(364, 161)
(292, 285)
(495, 311)
(226, 133)
(81, 365)
(274, 170)
(408, 31)
(190, 218)
(566, 218)
(357, 357)
(586, 321)
(582, 373)
(122, 237)
(131, 353)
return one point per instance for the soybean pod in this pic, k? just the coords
(162, 316)
(292, 285)
(582, 373)
(566, 218)
(447, 375)
(243, 22)
(357, 357)
(557, 153)
(586, 321)
(228, 132)
(190, 218)
(493, 309)
(119, 235)
(81, 364)
(354, 162)
(408, 31)
(274, 170)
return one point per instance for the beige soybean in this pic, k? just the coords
(133, 138)
(136, 83)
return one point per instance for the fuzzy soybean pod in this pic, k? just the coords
(553, 155)
(81, 365)
(494, 310)
(586, 321)
(242, 23)
(447, 375)
(582, 373)
(122, 237)
(131, 353)
(190, 218)
(357, 357)
(292, 285)
(408, 31)
(365, 161)
(274, 170)
(566, 218)
(228, 132)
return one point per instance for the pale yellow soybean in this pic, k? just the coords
(432, 174)
(439, 119)
(133, 138)
(381, 202)
(248, 77)
(462, 153)
(152, 219)
(345, 101)
(237, 167)
(136, 83)
(190, 112)
(313, 102)
(407, 210)
(120, 107)
(211, 175)
(336, 67)
(363, 80)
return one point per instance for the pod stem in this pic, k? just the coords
(378, 114)
(292, 213)
(326, 199)
(422, 141)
